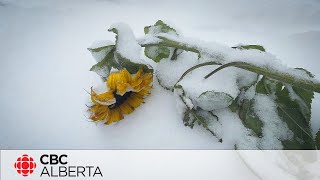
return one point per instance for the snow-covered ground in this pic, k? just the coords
(45, 65)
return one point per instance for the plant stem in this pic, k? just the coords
(283, 77)
(280, 76)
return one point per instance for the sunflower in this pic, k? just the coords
(125, 93)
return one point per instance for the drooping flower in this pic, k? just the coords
(126, 93)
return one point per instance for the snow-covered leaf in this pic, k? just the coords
(107, 49)
(105, 60)
(249, 118)
(317, 139)
(158, 52)
(289, 111)
(103, 67)
(201, 118)
(211, 100)
(305, 95)
(159, 27)
(127, 53)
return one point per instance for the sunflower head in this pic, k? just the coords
(126, 92)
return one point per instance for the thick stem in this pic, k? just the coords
(280, 76)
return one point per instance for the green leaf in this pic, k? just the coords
(266, 86)
(159, 27)
(245, 110)
(234, 107)
(253, 46)
(211, 100)
(305, 97)
(203, 118)
(193, 116)
(249, 118)
(317, 139)
(158, 52)
(107, 49)
(104, 66)
(290, 112)
(131, 66)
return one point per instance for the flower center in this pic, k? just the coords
(120, 99)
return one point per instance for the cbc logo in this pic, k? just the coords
(25, 165)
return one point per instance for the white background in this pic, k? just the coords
(44, 65)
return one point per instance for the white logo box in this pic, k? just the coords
(168, 164)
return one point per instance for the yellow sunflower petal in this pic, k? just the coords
(105, 96)
(112, 80)
(108, 119)
(99, 113)
(137, 75)
(126, 108)
(144, 92)
(134, 101)
(148, 78)
(136, 83)
(93, 94)
(115, 116)
(96, 108)
(125, 75)
(122, 88)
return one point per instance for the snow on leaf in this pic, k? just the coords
(274, 129)
(127, 53)
(206, 119)
(157, 53)
(305, 97)
(211, 100)
(159, 27)
(317, 139)
(249, 118)
(99, 53)
(105, 60)
(251, 60)
(290, 112)
(103, 67)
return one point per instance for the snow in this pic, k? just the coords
(224, 54)
(249, 94)
(100, 43)
(99, 55)
(274, 130)
(302, 105)
(45, 64)
(148, 39)
(233, 132)
(127, 45)
(169, 71)
(211, 100)
(213, 83)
